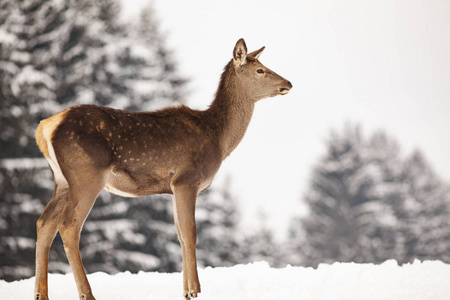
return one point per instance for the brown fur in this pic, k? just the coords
(176, 150)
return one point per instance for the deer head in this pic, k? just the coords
(259, 81)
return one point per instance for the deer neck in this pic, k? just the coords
(230, 113)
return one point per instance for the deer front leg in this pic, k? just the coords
(184, 200)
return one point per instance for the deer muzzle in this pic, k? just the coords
(285, 89)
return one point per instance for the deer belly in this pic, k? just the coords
(116, 191)
(120, 183)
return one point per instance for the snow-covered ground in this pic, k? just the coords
(429, 280)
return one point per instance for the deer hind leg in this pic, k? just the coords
(47, 227)
(83, 191)
(184, 199)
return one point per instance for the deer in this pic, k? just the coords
(176, 150)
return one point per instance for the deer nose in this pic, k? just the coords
(289, 84)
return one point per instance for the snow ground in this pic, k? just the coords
(429, 280)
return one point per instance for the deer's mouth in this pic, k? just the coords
(284, 91)
(287, 87)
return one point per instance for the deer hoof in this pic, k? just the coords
(190, 295)
(40, 297)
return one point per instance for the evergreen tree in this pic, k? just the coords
(27, 28)
(425, 213)
(162, 68)
(353, 190)
(21, 191)
(367, 204)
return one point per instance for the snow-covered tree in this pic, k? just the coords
(162, 68)
(21, 189)
(352, 199)
(425, 212)
(26, 32)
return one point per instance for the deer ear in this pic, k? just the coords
(257, 53)
(240, 53)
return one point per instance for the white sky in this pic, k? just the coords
(384, 64)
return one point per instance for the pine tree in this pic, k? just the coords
(25, 52)
(353, 188)
(20, 203)
(367, 204)
(162, 69)
(426, 212)
(381, 239)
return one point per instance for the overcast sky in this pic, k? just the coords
(384, 64)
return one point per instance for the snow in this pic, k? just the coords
(426, 280)
(6, 37)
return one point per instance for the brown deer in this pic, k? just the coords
(176, 151)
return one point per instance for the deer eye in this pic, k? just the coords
(260, 71)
